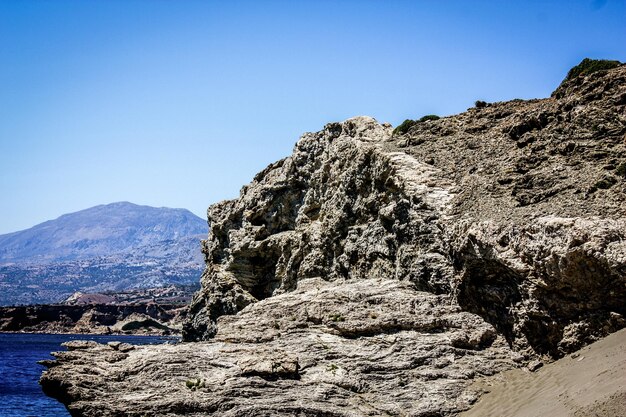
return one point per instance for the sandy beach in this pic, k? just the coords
(588, 383)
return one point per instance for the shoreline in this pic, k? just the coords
(92, 334)
(149, 319)
(588, 382)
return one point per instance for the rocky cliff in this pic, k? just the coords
(379, 274)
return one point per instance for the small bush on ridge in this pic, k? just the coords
(404, 127)
(588, 66)
(428, 117)
(408, 123)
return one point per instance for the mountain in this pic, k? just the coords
(113, 247)
(103, 230)
(374, 273)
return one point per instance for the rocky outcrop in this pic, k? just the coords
(373, 274)
(508, 207)
(157, 311)
(366, 347)
(341, 207)
(550, 286)
(149, 318)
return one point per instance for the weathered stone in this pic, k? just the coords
(79, 344)
(372, 274)
(125, 347)
(360, 347)
(115, 345)
(281, 365)
(534, 365)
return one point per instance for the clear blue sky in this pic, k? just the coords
(180, 103)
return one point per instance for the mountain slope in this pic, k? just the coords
(99, 231)
(113, 247)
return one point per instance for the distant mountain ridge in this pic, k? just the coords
(112, 247)
(102, 230)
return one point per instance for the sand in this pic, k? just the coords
(591, 382)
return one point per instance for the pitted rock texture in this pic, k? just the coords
(373, 274)
(365, 347)
(354, 201)
(341, 207)
(550, 286)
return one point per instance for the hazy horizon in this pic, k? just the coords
(179, 105)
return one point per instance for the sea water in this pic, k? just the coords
(20, 392)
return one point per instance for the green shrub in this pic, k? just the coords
(408, 123)
(589, 66)
(621, 170)
(332, 368)
(428, 117)
(336, 317)
(404, 127)
(195, 383)
(605, 183)
(479, 104)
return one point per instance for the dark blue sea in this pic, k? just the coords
(20, 393)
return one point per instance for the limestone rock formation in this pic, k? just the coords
(341, 207)
(379, 274)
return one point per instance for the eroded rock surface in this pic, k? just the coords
(341, 207)
(373, 274)
(360, 347)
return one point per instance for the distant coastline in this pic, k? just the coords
(104, 319)
(108, 248)
(149, 311)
